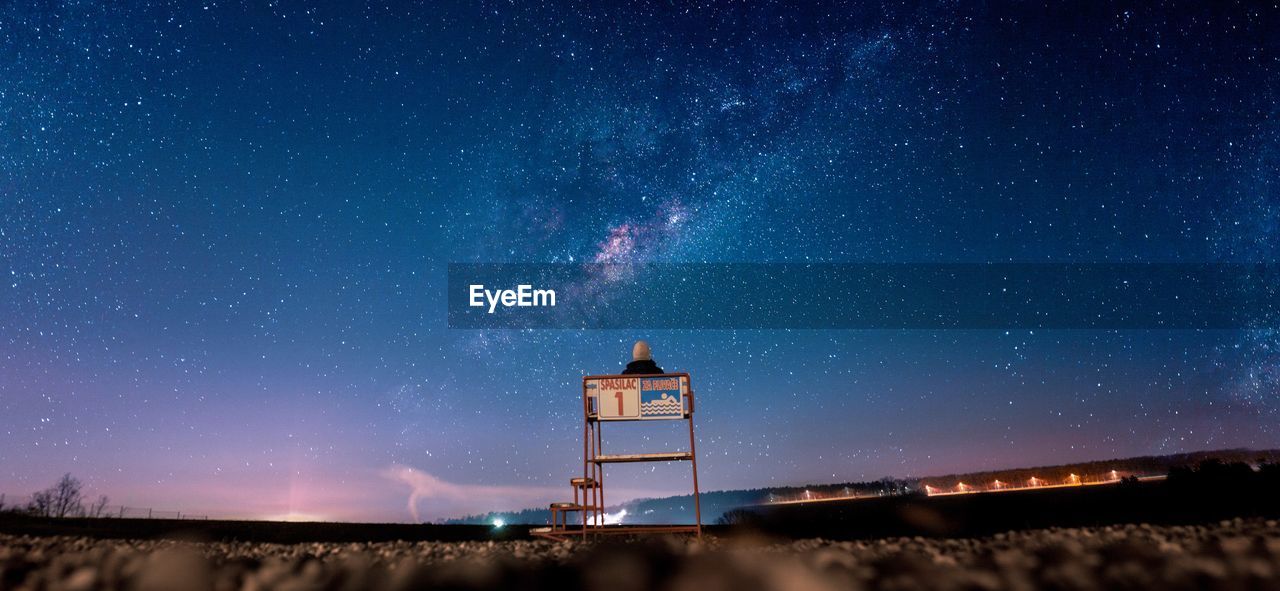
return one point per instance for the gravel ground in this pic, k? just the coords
(1239, 554)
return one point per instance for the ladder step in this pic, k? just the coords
(655, 457)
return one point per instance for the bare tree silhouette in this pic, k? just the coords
(99, 507)
(63, 499)
(41, 503)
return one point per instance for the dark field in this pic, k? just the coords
(274, 532)
(1235, 554)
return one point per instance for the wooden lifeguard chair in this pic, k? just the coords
(624, 398)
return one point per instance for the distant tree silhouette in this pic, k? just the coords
(99, 507)
(737, 517)
(1214, 474)
(41, 503)
(65, 498)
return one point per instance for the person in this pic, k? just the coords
(641, 361)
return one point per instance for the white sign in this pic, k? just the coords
(625, 398)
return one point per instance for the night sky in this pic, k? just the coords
(225, 229)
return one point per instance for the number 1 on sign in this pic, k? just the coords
(618, 403)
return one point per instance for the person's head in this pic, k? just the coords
(640, 352)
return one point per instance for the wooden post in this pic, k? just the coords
(693, 459)
(586, 438)
(599, 481)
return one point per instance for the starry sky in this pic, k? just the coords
(225, 229)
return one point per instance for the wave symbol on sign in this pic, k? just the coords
(666, 405)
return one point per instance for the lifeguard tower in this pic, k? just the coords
(623, 399)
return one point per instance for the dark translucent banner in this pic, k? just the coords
(864, 296)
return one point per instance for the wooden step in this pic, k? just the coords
(654, 457)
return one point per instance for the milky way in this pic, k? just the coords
(224, 232)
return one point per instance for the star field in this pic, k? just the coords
(224, 230)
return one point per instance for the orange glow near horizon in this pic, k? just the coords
(961, 487)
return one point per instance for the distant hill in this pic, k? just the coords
(1101, 469)
(679, 509)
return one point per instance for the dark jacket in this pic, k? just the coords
(645, 366)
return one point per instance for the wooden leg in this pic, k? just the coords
(600, 474)
(693, 459)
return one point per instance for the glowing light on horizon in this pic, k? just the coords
(611, 518)
(961, 487)
(296, 517)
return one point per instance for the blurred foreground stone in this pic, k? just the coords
(1238, 554)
